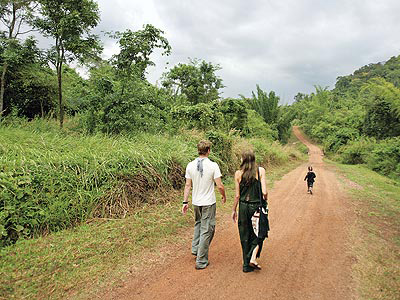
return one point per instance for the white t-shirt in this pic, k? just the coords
(203, 186)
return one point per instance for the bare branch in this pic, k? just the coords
(5, 24)
(25, 32)
(19, 26)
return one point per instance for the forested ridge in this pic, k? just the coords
(74, 148)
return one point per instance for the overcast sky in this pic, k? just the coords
(287, 46)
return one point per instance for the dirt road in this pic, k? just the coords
(306, 256)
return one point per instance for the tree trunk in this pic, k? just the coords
(60, 59)
(59, 69)
(2, 88)
(5, 66)
(41, 108)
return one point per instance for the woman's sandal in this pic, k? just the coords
(255, 265)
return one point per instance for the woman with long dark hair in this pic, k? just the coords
(247, 195)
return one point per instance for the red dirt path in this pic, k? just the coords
(306, 256)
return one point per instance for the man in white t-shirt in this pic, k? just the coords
(202, 173)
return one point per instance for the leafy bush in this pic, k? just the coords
(339, 138)
(256, 127)
(140, 107)
(381, 156)
(222, 150)
(356, 152)
(200, 116)
(385, 157)
(217, 115)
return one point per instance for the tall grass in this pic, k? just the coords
(50, 182)
(52, 179)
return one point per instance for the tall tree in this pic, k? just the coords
(13, 14)
(196, 80)
(30, 89)
(265, 105)
(69, 23)
(382, 103)
(136, 48)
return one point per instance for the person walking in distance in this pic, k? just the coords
(310, 177)
(248, 182)
(201, 174)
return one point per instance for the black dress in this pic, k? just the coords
(249, 202)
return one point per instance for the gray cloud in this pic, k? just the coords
(286, 46)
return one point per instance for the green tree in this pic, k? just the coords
(119, 98)
(101, 85)
(256, 127)
(75, 91)
(31, 89)
(234, 113)
(136, 48)
(69, 23)
(13, 14)
(266, 105)
(382, 101)
(139, 108)
(196, 80)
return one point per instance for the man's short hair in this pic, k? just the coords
(203, 146)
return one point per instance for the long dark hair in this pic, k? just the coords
(248, 166)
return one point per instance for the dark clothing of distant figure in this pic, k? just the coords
(310, 178)
(249, 202)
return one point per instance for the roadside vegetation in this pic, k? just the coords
(376, 233)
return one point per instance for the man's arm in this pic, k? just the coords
(188, 187)
(221, 188)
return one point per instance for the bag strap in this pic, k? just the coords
(260, 189)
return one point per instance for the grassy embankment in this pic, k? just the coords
(376, 233)
(75, 189)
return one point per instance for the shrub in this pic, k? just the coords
(222, 150)
(256, 127)
(385, 157)
(222, 115)
(356, 152)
